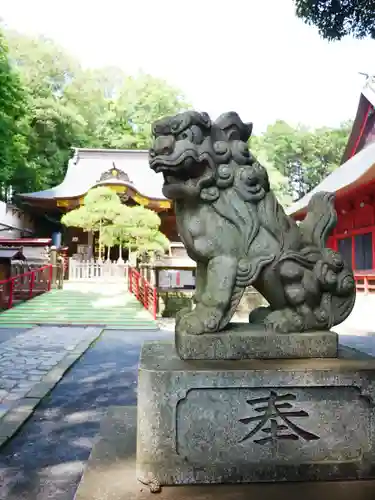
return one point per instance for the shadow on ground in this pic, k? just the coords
(46, 459)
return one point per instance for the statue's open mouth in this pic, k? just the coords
(187, 167)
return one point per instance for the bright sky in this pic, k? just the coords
(251, 56)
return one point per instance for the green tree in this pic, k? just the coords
(55, 128)
(144, 234)
(278, 181)
(75, 107)
(141, 100)
(92, 93)
(45, 68)
(100, 207)
(338, 18)
(107, 239)
(138, 229)
(303, 156)
(14, 170)
(135, 227)
(55, 124)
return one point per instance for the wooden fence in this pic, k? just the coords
(25, 286)
(91, 270)
(143, 291)
(365, 281)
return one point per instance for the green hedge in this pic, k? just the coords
(172, 302)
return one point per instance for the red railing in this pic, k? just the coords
(143, 291)
(365, 281)
(25, 286)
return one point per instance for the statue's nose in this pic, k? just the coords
(163, 145)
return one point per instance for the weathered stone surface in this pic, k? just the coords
(234, 228)
(242, 341)
(254, 420)
(110, 474)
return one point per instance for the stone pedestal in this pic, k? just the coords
(110, 474)
(244, 421)
(244, 341)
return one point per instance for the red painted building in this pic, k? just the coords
(354, 185)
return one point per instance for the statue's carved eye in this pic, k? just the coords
(192, 134)
(186, 135)
(175, 126)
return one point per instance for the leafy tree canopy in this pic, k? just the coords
(338, 18)
(278, 181)
(134, 227)
(100, 207)
(13, 126)
(68, 106)
(303, 157)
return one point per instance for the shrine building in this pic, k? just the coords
(354, 185)
(127, 172)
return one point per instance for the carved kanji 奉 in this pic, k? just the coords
(234, 228)
(271, 409)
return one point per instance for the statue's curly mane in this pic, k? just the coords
(240, 189)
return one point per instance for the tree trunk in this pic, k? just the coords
(120, 259)
(90, 240)
(100, 242)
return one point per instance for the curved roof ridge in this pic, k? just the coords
(347, 174)
(369, 89)
(84, 171)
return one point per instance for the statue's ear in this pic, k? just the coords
(206, 119)
(249, 127)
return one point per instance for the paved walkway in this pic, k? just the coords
(99, 304)
(46, 458)
(31, 364)
(33, 360)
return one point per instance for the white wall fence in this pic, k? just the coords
(14, 222)
(91, 270)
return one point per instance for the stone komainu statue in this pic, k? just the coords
(239, 235)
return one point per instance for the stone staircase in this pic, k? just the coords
(109, 305)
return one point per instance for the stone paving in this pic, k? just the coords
(46, 458)
(31, 364)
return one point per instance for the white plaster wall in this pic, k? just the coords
(15, 218)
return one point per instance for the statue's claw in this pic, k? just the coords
(284, 321)
(201, 320)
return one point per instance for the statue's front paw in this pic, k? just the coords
(201, 320)
(283, 321)
(181, 313)
(189, 323)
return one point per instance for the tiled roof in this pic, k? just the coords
(87, 165)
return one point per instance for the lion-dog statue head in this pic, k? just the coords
(199, 157)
